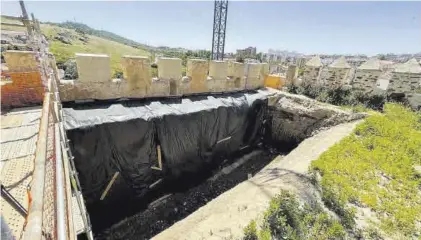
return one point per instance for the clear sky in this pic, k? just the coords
(307, 27)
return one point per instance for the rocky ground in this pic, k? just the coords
(296, 117)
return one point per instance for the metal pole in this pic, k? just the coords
(221, 5)
(12, 201)
(25, 18)
(225, 28)
(213, 33)
(61, 212)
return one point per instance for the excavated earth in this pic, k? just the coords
(199, 202)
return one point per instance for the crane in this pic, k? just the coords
(219, 28)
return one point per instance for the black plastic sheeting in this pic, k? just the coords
(193, 133)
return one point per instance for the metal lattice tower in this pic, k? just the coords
(219, 27)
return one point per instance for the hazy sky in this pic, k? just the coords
(307, 27)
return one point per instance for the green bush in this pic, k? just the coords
(287, 219)
(118, 74)
(70, 69)
(338, 96)
(250, 232)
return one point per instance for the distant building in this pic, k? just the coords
(228, 55)
(250, 51)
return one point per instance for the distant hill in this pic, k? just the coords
(69, 38)
(83, 28)
(66, 39)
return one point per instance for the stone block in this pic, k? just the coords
(170, 69)
(93, 67)
(236, 78)
(137, 73)
(66, 90)
(159, 88)
(264, 71)
(197, 72)
(218, 72)
(21, 61)
(185, 86)
(110, 90)
(253, 75)
(290, 78)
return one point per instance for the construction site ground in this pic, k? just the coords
(19, 134)
(226, 216)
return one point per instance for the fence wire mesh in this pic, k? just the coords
(49, 213)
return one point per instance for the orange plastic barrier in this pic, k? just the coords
(274, 81)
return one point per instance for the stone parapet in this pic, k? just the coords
(365, 80)
(202, 76)
(93, 67)
(254, 77)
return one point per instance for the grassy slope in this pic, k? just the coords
(374, 168)
(97, 45)
(64, 52)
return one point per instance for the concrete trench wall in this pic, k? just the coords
(202, 76)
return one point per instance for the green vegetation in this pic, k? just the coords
(339, 96)
(200, 54)
(286, 219)
(85, 29)
(101, 42)
(373, 168)
(97, 45)
(69, 38)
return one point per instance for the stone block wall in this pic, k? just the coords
(337, 77)
(365, 79)
(404, 82)
(201, 77)
(135, 71)
(290, 77)
(254, 77)
(311, 75)
(218, 72)
(21, 84)
(236, 76)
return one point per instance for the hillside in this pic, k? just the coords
(65, 42)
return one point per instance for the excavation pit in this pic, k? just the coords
(144, 165)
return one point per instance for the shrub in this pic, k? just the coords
(339, 96)
(118, 74)
(250, 232)
(70, 69)
(287, 219)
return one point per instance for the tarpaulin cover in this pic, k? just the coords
(123, 137)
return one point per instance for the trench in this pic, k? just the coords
(207, 145)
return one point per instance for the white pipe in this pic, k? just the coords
(60, 203)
